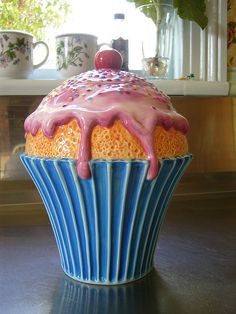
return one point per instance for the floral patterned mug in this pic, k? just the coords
(75, 53)
(16, 54)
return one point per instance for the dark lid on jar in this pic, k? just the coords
(119, 16)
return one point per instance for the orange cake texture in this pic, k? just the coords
(115, 142)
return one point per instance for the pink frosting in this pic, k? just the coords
(100, 97)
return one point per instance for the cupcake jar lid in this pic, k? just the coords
(99, 98)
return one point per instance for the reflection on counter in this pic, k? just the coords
(194, 262)
(148, 295)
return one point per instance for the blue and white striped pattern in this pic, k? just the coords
(106, 227)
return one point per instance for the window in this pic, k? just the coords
(194, 51)
(96, 17)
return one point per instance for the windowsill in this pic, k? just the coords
(42, 85)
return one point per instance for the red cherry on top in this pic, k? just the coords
(108, 59)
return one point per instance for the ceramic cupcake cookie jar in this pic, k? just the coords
(106, 150)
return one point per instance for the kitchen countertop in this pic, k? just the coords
(195, 270)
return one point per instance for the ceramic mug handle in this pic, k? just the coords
(47, 53)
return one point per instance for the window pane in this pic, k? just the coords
(96, 17)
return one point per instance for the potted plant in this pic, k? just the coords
(186, 9)
(162, 13)
(32, 16)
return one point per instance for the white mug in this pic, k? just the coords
(75, 53)
(16, 54)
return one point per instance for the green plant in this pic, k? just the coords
(193, 10)
(32, 16)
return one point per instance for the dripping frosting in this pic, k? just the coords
(99, 97)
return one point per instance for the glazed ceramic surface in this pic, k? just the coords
(106, 227)
(16, 54)
(75, 53)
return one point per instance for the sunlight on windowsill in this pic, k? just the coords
(42, 86)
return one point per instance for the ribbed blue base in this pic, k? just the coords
(106, 227)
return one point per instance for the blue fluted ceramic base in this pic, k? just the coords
(106, 227)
